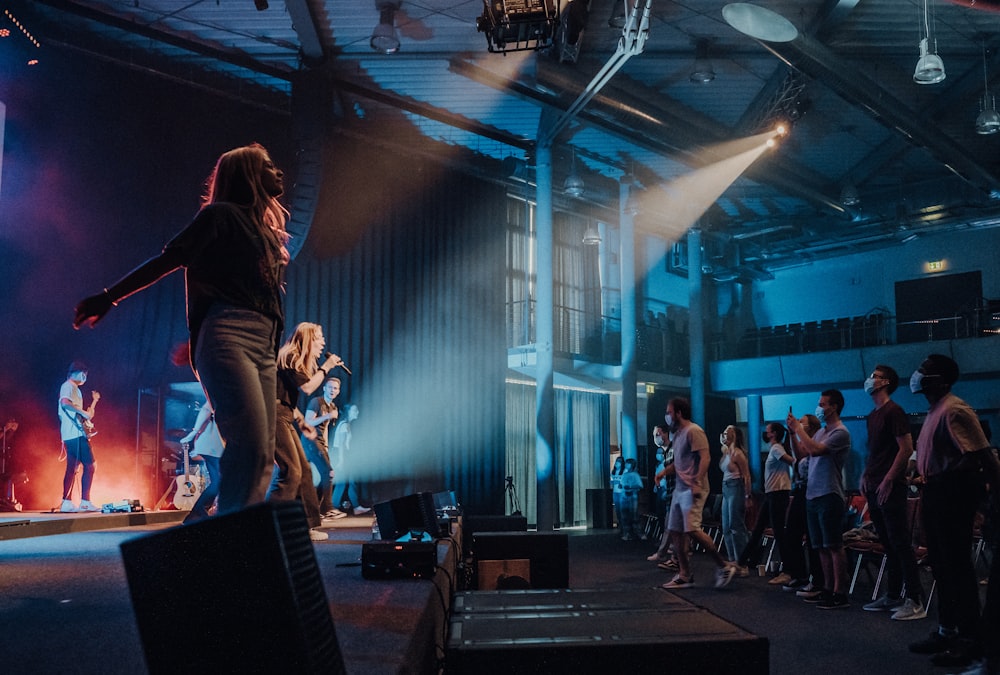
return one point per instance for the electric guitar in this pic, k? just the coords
(187, 491)
(85, 425)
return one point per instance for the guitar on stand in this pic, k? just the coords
(187, 489)
(8, 502)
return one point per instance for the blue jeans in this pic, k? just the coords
(734, 513)
(319, 456)
(235, 358)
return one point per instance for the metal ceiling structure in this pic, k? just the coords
(844, 83)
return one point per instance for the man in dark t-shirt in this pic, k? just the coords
(883, 484)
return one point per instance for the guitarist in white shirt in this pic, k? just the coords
(76, 428)
(208, 447)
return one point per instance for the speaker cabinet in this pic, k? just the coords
(235, 593)
(398, 560)
(399, 516)
(547, 553)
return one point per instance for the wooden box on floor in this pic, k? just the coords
(595, 631)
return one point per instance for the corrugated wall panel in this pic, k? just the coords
(415, 308)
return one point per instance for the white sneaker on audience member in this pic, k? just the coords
(910, 610)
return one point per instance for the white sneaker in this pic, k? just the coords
(67, 507)
(86, 505)
(316, 535)
(724, 575)
(910, 610)
(360, 510)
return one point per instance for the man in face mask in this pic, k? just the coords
(828, 451)
(955, 460)
(691, 458)
(883, 484)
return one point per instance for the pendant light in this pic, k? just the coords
(930, 67)
(988, 121)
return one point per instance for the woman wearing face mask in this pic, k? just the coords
(795, 525)
(735, 494)
(777, 487)
(664, 481)
(617, 493)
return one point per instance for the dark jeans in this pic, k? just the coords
(948, 508)
(892, 523)
(318, 455)
(78, 452)
(235, 358)
(772, 513)
(795, 529)
(207, 497)
(292, 477)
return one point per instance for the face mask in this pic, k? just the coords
(669, 419)
(820, 415)
(917, 382)
(870, 386)
(658, 440)
(722, 438)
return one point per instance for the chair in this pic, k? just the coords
(711, 519)
(876, 550)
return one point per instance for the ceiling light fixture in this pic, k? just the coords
(573, 185)
(524, 25)
(849, 195)
(757, 22)
(988, 121)
(592, 235)
(702, 73)
(930, 67)
(384, 38)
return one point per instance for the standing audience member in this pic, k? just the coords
(298, 372)
(955, 459)
(735, 495)
(777, 488)
(345, 464)
(827, 450)
(631, 485)
(75, 429)
(691, 459)
(795, 525)
(883, 485)
(208, 447)
(320, 412)
(665, 479)
(617, 493)
(234, 257)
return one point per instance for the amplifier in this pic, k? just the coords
(398, 560)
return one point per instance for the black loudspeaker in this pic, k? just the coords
(472, 524)
(548, 553)
(402, 515)
(244, 590)
(398, 560)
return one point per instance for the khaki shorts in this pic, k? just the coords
(685, 509)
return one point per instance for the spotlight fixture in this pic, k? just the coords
(592, 235)
(702, 73)
(849, 195)
(384, 38)
(988, 121)
(518, 25)
(573, 185)
(930, 67)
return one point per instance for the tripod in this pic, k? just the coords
(511, 493)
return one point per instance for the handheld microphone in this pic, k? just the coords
(342, 364)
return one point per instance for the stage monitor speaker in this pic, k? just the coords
(244, 590)
(473, 523)
(398, 560)
(403, 515)
(548, 553)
